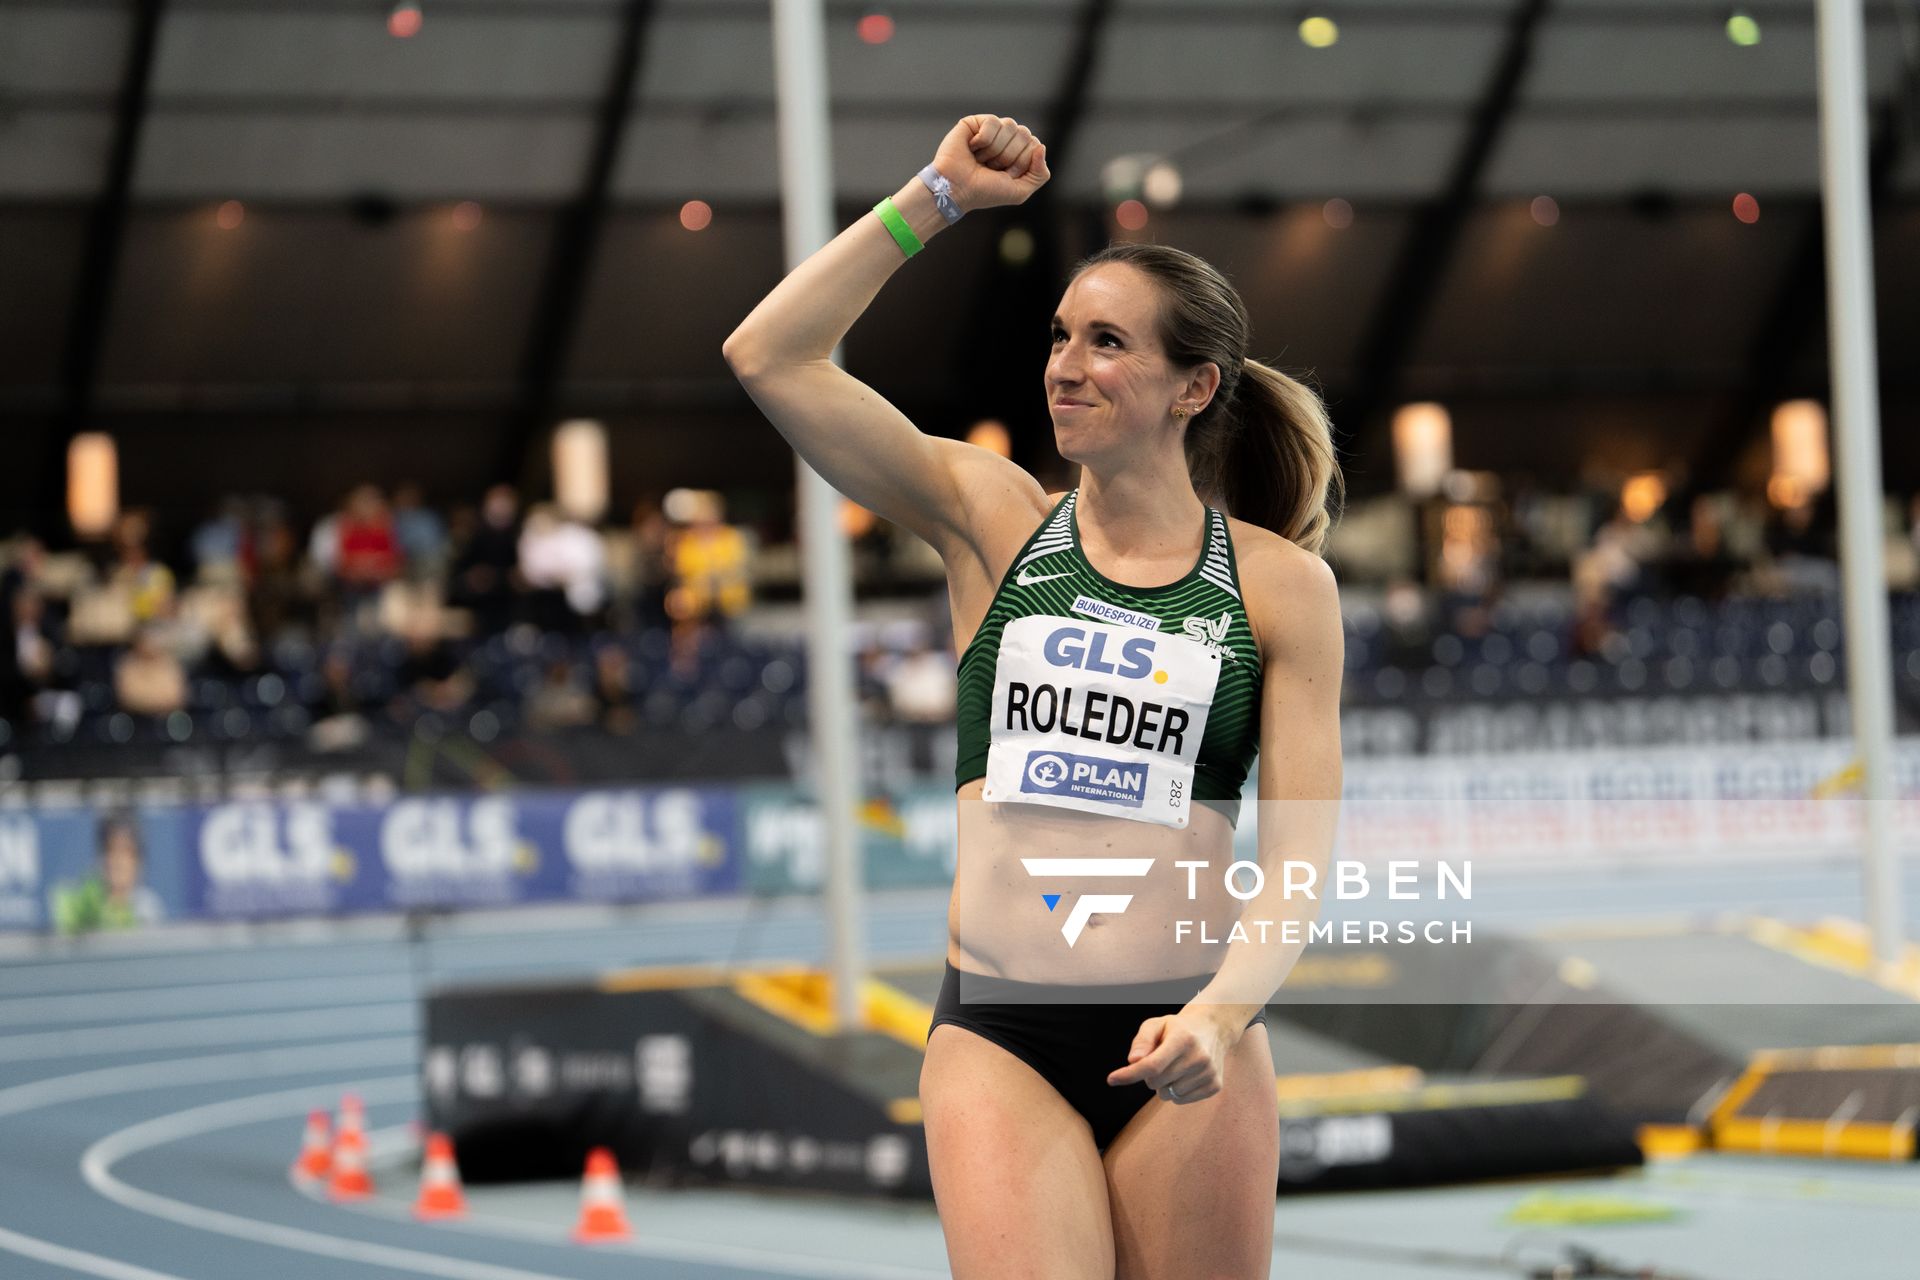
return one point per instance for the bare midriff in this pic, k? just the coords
(999, 925)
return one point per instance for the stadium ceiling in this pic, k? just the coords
(1647, 322)
(498, 99)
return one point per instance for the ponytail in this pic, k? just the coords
(1277, 468)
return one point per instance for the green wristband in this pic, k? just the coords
(902, 233)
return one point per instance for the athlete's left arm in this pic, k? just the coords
(1295, 610)
(1294, 605)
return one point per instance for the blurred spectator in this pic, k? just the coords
(369, 555)
(339, 716)
(232, 652)
(1702, 567)
(26, 658)
(709, 559)
(143, 583)
(421, 533)
(558, 701)
(339, 695)
(564, 566)
(148, 680)
(871, 544)
(219, 544)
(323, 544)
(921, 686)
(432, 675)
(1408, 625)
(24, 570)
(652, 534)
(32, 688)
(1609, 567)
(1801, 540)
(484, 567)
(613, 689)
(113, 897)
(277, 598)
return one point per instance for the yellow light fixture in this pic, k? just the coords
(1319, 32)
(1422, 447)
(93, 484)
(580, 469)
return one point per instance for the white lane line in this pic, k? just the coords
(363, 946)
(39, 974)
(395, 1145)
(398, 1144)
(350, 1054)
(216, 997)
(462, 945)
(74, 1260)
(177, 1033)
(160, 1075)
(96, 1166)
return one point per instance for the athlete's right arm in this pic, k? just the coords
(941, 489)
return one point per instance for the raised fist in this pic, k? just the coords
(992, 160)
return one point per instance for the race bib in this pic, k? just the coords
(1100, 718)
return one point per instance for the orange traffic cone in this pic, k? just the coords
(603, 1209)
(315, 1159)
(440, 1195)
(350, 1179)
(353, 1115)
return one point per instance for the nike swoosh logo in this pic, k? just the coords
(1025, 579)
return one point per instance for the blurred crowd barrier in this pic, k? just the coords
(82, 868)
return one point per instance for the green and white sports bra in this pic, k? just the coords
(1083, 693)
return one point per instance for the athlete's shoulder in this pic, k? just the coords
(1261, 549)
(1033, 504)
(1282, 584)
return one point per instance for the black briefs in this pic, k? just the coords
(1073, 1045)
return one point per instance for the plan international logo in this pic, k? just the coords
(1091, 777)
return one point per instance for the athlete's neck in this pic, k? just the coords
(1138, 517)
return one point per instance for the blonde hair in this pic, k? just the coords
(1263, 446)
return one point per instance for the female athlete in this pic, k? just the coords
(1128, 647)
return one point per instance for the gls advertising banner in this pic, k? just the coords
(303, 858)
(20, 897)
(50, 856)
(260, 859)
(265, 859)
(624, 845)
(907, 840)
